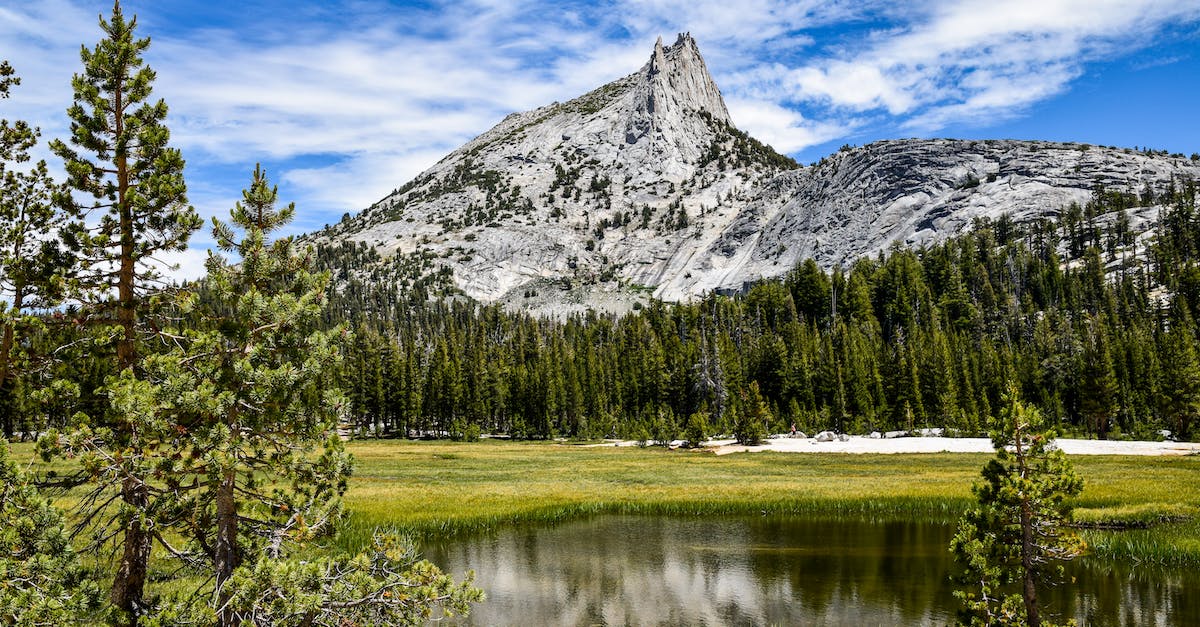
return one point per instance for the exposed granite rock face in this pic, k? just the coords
(644, 187)
(916, 192)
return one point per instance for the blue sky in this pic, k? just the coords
(344, 101)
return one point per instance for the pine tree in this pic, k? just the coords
(1180, 373)
(695, 430)
(750, 423)
(32, 267)
(136, 179)
(42, 581)
(1017, 534)
(249, 396)
(810, 289)
(121, 158)
(907, 409)
(1098, 383)
(384, 585)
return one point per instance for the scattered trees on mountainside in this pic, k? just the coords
(204, 417)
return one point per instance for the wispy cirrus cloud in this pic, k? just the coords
(979, 59)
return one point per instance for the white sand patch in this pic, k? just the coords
(861, 444)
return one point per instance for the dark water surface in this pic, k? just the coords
(647, 570)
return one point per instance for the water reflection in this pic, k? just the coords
(619, 570)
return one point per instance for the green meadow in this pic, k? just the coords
(1140, 509)
(1132, 508)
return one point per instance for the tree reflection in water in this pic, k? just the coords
(618, 570)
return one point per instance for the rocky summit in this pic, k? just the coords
(644, 187)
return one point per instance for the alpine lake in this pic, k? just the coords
(769, 570)
(560, 534)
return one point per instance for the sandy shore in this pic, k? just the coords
(861, 444)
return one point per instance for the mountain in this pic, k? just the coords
(645, 187)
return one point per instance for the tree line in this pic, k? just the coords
(1096, 323)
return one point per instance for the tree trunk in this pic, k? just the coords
(6, 348)
(1029, 590)
(130, 579)
(126, 298)
(6, 345)
(129, 583)
(1027, 568)
(226, 557)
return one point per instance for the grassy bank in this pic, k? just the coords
(446, 488)
(440, 488)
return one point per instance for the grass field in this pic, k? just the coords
(445, 488)
(440, 488)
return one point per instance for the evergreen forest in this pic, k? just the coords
(1095, 323)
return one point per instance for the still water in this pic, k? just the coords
(646, 570)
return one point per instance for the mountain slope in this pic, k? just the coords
(915, 192)
(644, 186)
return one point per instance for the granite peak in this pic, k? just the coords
(644, 187)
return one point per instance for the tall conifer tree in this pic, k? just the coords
(1098, 396)
(119, 156)
(248, 395)
(1017, 536)
(1180, 379)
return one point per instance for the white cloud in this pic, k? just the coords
(187, 265)
(343, 103)
(785, 130)
(855, 85)
(970, 61)
(750, 23)
(44, 58)
(356, 182)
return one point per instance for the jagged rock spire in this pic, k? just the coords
(678, 77)
(640, 182)
(672, 89)
(583, 190)
(658, 58)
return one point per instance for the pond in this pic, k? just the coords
(647, 570)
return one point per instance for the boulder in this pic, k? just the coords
(875, 435)
(826, 436)
(895, 434)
